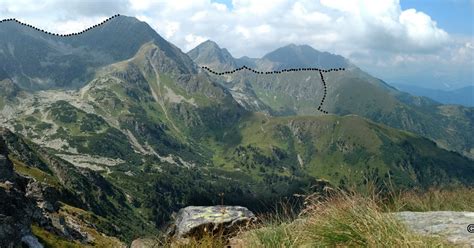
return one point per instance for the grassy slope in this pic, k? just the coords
(339, 149)
(355, 92)
(85, 219)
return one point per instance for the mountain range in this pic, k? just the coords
(116, 128)
(462, 96)
(349, 92)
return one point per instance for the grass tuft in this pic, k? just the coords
(340, 218)
(450, 199)
(349, 220)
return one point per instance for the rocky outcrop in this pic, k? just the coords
(27, 199)
(449, 225)
(6, 170)
(194, 221)
(31, 241)
(45, 196)
(16, 211)
(145, 243)
(6, 167)
(15, 146)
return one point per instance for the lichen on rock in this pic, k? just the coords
(195, 221)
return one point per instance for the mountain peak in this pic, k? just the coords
(293, 55)
(14, 25)
(131, 19)
(294, 46)
(210, 54)
(209, 43)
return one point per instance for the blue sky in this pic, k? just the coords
(454, 16)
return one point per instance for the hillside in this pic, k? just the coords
(349, 92)
(343, 150)
(123, 132)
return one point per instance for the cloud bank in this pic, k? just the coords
(400, 46)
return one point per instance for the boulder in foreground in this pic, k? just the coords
(195, 221)
(448, 224)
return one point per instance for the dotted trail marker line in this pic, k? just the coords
(60, 35)
(321, 71)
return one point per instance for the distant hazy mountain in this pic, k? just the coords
(349, 92)
(293, 56)
(462, 96)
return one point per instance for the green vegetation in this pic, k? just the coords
(92, 123)
(111, 143)
(343, 150)
(50, 240)
(339, 221)
(435, 199)
(64, 112)
(174, 188)
(76, 121)
(35, 173)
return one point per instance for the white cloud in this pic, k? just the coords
(376, 34)
(194, 40)
(421, 30)
(140, 5)
(77, 24)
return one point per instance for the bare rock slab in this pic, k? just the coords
(446, 224)
(193, 221)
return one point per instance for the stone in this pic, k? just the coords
(45, 195)
(144, 243)
(449, 225)
(194, 221)
(31, 241)
(15, 217)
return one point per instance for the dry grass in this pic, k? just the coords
(342, 219)
(450, 199)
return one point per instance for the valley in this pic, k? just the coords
(115, 129)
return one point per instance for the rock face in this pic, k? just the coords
(6, 167)
(16, 211)
(194, 221)
(446, 224)
(27, 199)
(31, 241)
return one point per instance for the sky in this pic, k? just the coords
(427, 43)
